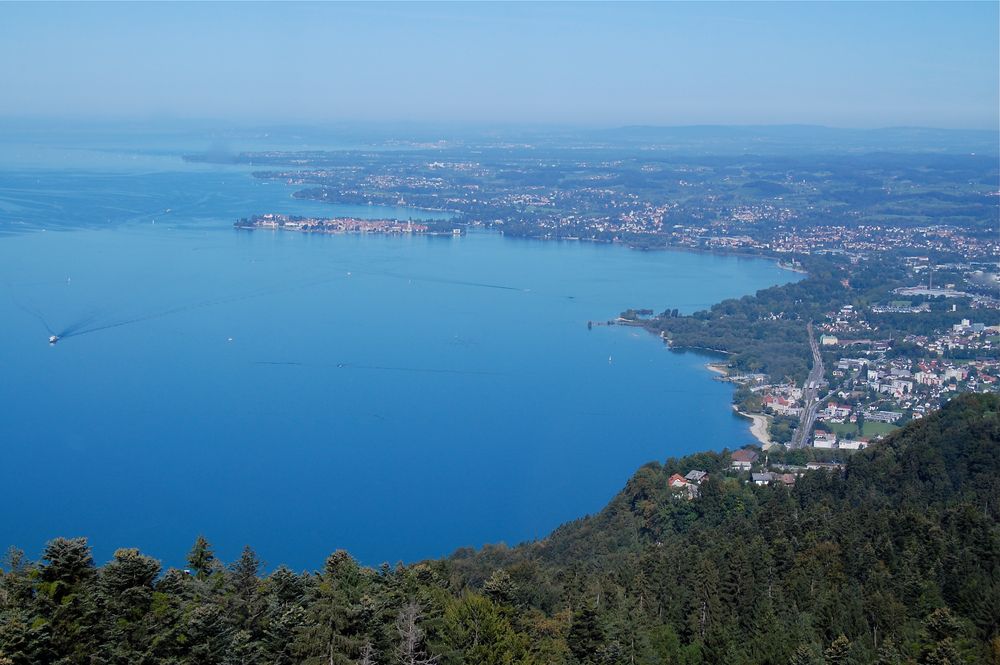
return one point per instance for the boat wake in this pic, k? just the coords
(92, 323)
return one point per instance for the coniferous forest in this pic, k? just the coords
(894, 560)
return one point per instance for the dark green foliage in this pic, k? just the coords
(585, 639)
(747, 400)
(782, 427)
(476, 631)
(201, 559)
(334, 630)
(766, 332)
(896, 561)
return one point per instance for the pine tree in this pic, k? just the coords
(941, 628)
(245, 573)
(703, 603)
(201, 558)
(65, 599)
(126, 597)
(805, 654)
(838, 652)
(334, 632)
(68, 563)
(888, 654)
(586, 638)
(943, 652)
(474, 630)
(500, 588)
(248, 604)
(207, 634)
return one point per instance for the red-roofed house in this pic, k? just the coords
(677, 481)
(743, 459)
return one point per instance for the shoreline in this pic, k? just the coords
(760, 424)
(717, 368)
(791, 268)
(758, 428)
(777, 260)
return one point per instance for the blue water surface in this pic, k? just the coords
(395, 396)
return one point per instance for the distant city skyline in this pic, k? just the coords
(842, 65)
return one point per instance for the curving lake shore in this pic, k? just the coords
(399, 396)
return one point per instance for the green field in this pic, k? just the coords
(872, 429)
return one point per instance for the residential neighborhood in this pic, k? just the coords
(875, 384)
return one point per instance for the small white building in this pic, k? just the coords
(824, 440)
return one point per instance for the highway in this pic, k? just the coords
(810, 403)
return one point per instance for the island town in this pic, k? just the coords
(274, 221)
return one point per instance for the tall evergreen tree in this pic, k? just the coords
(586, 636)
(334, 630)
(201, 558)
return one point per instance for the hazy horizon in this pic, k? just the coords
(855, 65)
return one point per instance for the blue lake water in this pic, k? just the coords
(396, 396)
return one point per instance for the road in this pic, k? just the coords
(810, 391)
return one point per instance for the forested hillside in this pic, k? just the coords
(895, 560)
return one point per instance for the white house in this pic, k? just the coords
(824, 440)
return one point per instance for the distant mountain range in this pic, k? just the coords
(692, 139)
(784, 138)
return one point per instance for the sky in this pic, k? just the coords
(592, 64)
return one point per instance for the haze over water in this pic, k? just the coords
(396, 396)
